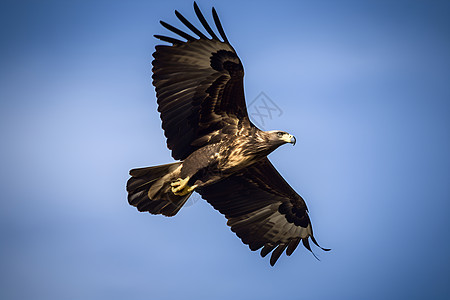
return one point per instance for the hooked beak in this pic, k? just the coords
(293, 140)
(289, 139)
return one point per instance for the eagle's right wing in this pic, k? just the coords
(263, 210)
(199, 86)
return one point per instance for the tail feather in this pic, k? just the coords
(149, 190)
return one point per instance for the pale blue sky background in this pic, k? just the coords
(363, 85)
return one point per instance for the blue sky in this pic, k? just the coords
(363, 85)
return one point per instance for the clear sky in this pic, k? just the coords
(363, 85)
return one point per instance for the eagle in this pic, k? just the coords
(220, 153)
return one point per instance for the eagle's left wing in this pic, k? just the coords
(263, 210)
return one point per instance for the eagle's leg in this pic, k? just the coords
(180, 187)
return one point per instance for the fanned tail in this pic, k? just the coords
(149, 190)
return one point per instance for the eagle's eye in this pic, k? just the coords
(280, 134)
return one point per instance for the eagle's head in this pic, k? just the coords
(280, 137)
(276, 138)
(268, 141)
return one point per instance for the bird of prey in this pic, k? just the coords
(221, 154)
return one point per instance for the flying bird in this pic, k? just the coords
(221, 154)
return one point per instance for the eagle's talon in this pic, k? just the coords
(180, 187)
(191, 188)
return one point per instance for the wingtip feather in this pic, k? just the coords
(205, 24)
(317, 244)
(277, 253)
(219, 25)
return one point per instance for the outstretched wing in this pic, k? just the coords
(263, 210)
(199, 86)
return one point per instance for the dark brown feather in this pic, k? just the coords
(219, 25)
(204, 22)
(177, 31)
(168, 39)
(189, 25)
(277, 253)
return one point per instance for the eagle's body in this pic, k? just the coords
(217, 161)
(223, 156)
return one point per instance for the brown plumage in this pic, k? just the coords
(223, 156)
